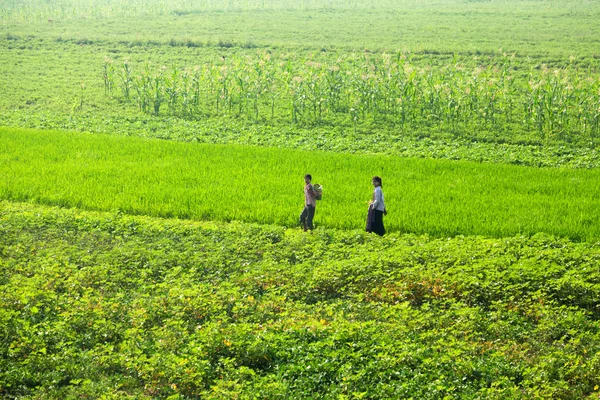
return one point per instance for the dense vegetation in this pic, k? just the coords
(116, 306)
(487, 285)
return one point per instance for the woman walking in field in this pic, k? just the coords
(376, 209)
(308, 213)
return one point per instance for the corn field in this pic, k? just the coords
(357, 90)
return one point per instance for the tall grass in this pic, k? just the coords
(195, 181)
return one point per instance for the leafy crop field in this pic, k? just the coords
(151, 163)
(104, 304)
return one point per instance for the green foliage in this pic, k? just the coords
(264, 185)
(113, 306)
(119, 306)
(384, 90)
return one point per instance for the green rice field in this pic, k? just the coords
(264, 185)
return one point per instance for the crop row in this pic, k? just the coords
(384, 89)
(264, 185)
(56, 100)
(113, 306)
(36, 10)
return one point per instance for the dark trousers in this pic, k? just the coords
(375, 222)
(306, 218)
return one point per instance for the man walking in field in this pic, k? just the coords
(308, 213)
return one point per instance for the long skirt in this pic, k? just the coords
(375, 221)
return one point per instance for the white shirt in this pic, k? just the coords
(378, 203)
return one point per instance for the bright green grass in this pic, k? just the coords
(197, 181)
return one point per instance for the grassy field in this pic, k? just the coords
(190, 180)
(151, 163)
(552, 28)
